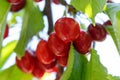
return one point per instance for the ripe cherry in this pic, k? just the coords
(37, 0)
(83, 43)
(62, 60)
(18, 7)
(67, 29)
(57, 46)
(14, 2)
(56, 1)
(25, 63)
(6, 31)
(43, 53)
(97, 32)
(109, 1)
(38, 70)
(107, 23)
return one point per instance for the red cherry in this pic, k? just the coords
(6, 31)
(43, 53)
(62, 60)
(109, 1)
(67, 29)
(15, 2)
(56, 1)
(37, 0)
(57, 46)
(38, 70)
(25, 63)
(97, 32)
(18, 7)
(83, 43)
(107, 23)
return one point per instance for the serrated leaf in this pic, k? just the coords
(6, 52)
(90, 7)
(113, 11)
(13, 73)
(110, 77)
(4, 8)
(95, 70)
(32, 24)
(76, 63)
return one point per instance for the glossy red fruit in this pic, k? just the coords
(83, 43)
(56, 2)
(97, 32)
(6, 31)
(37, 0)
(38, 70)
(15, 2)
(18, 7)
(43, 53)
(107, 23)
(67, 29)
(62, 60)
(109, 1)
(57, 46)
(26, 63)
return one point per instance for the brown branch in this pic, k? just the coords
(48, 12)
(59, 72)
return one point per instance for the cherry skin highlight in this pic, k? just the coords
(97, 32)
(43, 53)
(67, 29)
(83, 43)
(57, 46)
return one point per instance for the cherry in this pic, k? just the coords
(18, 7)
(97, 32)
(25, 63)
(57, 46)
(38, 70)
(67, 29)
(83, 43)
(56, 1)
(109, 1)
(43, 53)
(62, 60)
(14, 2)
(37, 0)
(107, 23)
(6, 31)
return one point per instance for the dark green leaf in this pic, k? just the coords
(113, 11)
(13, 73)
(32, 24)
(76, 63)
(4, 8)
(95, 70)
(6, 52)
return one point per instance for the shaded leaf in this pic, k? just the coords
(76, 63)
(32, 24)
(4, 9)
(95, 70)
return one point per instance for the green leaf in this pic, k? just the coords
(110, 77)
(32, 24)
(90, 7)
(6, 52)
(13, 73)
(113, 11)
(95, 70)
(4, 8)
(76, 63)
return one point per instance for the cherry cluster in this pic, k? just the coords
(54, 51)
(30, 64)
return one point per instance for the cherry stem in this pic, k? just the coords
(59, 72)
(48, 12)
